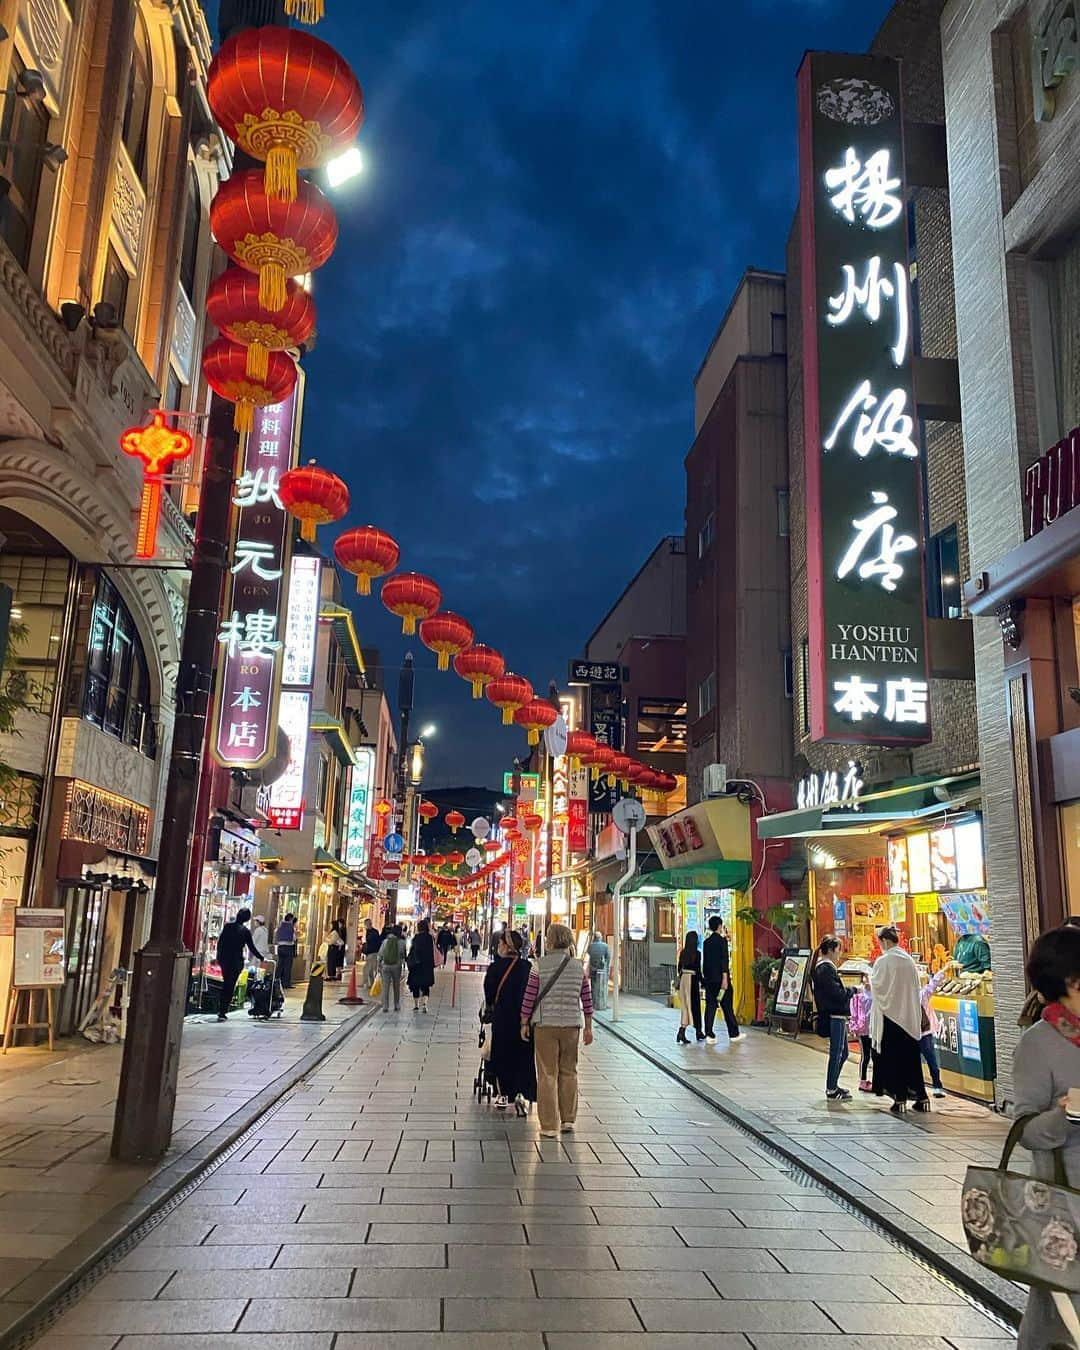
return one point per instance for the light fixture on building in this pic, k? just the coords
(345, 166)
(53, 155)
(30, 85)
(72, 315)
(416, 763)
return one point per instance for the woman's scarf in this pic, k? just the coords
(1064, 1022)
(894, 982)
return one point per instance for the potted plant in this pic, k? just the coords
(782, 924)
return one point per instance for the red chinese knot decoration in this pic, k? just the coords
(234, 306)
(411, 596)
(157, 446)
(225, 368)
(367, 552)
(315, 496)
(446, 634)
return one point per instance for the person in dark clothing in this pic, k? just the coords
(235, 937)
(285, 946)
(370, 949)
(421, 966)
(716, 976)
(512, 1062)
(689, 973)
(445, 942)
(833, 1004)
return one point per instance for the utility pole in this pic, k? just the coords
(403, 795)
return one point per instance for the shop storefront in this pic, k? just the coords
(226, 885)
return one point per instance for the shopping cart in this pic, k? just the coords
(266, 994)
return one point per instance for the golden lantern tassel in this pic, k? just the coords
(307, 11)
(508, 717)
(444, 664)
(363, 584)
(281, 173)
(258, 362)
(478, 688)
(408, 625)
(244, 417)
(272, 292)
(534, 736)
(309, 530)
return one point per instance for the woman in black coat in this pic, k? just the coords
(511, 1063)
(689, 973)
(421, 964)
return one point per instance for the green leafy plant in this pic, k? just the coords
(782, 922)
(762, 968)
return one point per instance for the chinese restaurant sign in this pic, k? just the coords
(287, 794)
(869, 677)
(359, 824)
(595, 672)
(250, 638)
(301, 622)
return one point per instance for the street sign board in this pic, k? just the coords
(595, 672)
(393, 843)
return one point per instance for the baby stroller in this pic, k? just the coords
(266, 994)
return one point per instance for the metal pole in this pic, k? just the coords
(146, 1099)
(616, 940)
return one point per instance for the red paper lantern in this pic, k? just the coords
(535, 716)
(275, 239)
(479, 665)
(224, 364)
(315, 496)
(620, 767)
(455, 820)
(455, 859)
(509, 824)
(637, 773)
(509, 692)
(579, 746)
(233, 304)
(446, 634)
(603, 757)
(667, 782)
(492, 846)
(411, 596)
(286, 98)
(532, 822)
(427, 811)
(367, 552)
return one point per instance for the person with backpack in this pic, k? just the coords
(391, 956)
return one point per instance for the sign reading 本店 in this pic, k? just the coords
(868, 674)
(250, 638)
(359, 822)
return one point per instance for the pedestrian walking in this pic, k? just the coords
(689, 973)
(511, 1061)
(859, 1027)
(833, 1003)
(599, 965)
(285, 947)
(421, 966)
(445, 942)
(716, 976)
(234, 939)
(896, 1025)
(556, 1006)
(1046, 1066)
(927, 1043)
(335, 950)
(474, 943)
(391, 955)
(370, 953)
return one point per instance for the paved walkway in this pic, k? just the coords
(60, 1193)
(381, 1207)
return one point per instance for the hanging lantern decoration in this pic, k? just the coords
(455, 820)
(620, 768)
(272, 238)
(601, 759)
(532, 822)
(307, 11)
(535, 716)
(224, 364)
(667, 782)
(233, 304)
(315, 496)
(509, 824)
(455, 859)
(492, 846)
(286, 98)
(580, 745)
(479, 665)
(411, 596)
(366, 552)
(446, 634)
(650, 780)
(509, 692)
(637, 773)
(428, 811)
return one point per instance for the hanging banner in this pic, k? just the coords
(250, 638)
(359, 820)
(868, 667)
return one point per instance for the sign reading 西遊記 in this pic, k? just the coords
(868, 671)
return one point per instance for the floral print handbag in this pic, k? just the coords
(1023, 1228)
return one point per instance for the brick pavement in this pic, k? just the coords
(381, 1207)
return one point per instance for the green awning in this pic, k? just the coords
(334, 731)
(906, 800)
(324, 859)
(721, 875)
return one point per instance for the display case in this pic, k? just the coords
(963, 1010)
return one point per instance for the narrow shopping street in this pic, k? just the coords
(380, 1206)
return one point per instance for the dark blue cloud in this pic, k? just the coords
(559, 203)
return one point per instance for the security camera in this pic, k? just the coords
(30, 85)
(53, 155)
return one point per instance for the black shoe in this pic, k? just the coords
(681, 1037)
(700, 1035)
(222, 1018)
(839, 1095)
(898, 1109)
(923, 1104)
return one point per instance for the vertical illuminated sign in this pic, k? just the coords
(301, 621)
(869, 677)
(359, 823)
(287, 794)
(250, 636)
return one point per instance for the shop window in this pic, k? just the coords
(39, 593)
(707, 694)
(116, 696)
(943, 596)
(783, 513)
(136, 126)
(661, 725)
(1069, 826)
(706, 535)
(24, 129)
(664, 919)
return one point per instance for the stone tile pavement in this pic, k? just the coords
(382, 1207)
(61, 1195)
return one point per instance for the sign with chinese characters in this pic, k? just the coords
(1052, 483)
(287, 794)
(605, 724)
(1055, 54)
(359, 822)
(868, 675)
(250, 637)
(528, 787)
(831, 787)
(595, 672)
(301, 621)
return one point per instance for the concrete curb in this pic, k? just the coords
(1002, 1297)
(79, 1257)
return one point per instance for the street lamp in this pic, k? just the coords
(416, 763)
(343, 167)
(428, 731)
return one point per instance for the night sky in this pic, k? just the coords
(559, 202)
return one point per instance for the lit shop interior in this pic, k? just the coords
(910, 855)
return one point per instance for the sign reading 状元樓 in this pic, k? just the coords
(868, 675)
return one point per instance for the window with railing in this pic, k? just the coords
(117, 692)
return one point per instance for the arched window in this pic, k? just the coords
(137, 107)
(117, 693)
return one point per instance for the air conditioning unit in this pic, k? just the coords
(715, 780)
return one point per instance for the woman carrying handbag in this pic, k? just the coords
(559, 1001)
(510, 1058)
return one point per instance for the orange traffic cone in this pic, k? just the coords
(352, 997)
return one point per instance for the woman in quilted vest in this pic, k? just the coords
(557, 1005)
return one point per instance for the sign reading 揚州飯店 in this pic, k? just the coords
(251, 632)
(868, 672)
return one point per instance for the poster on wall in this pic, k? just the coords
(791, 982)
(39, 948)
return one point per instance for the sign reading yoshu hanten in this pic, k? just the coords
(1052, 483)
(251, 634)
(868, 676)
